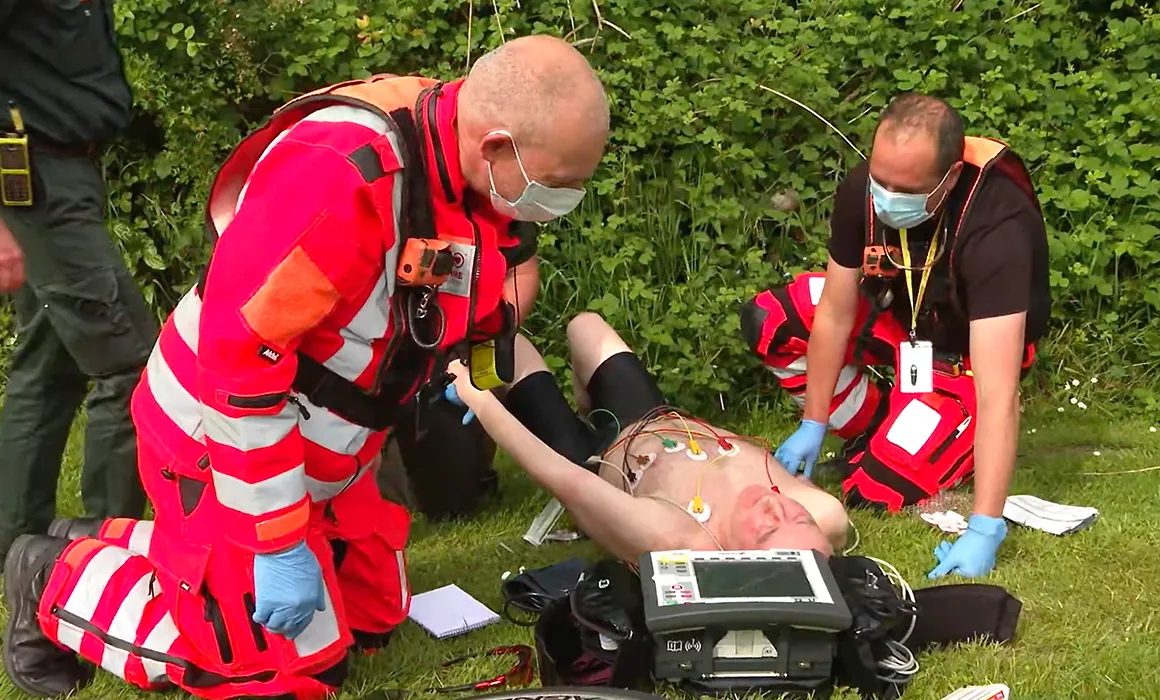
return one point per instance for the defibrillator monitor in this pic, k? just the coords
(755, 619)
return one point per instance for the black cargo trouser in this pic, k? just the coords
(81, 318)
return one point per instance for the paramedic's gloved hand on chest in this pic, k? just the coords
(801, 449)
(973, 553)
(288, 589)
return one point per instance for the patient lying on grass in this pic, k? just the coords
(633, 496)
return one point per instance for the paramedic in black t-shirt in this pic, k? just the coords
(949, 225)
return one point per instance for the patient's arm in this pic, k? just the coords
(625, 526)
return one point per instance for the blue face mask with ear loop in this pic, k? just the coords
(901, 210)
(537, 203)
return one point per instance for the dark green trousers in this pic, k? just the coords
(81, 319)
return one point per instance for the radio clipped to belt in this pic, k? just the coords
(15, 165)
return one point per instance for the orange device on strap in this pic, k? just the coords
(425, 262)
(876, 261)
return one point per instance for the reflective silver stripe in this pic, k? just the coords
(321, 632)
(356, 353)
(795, 368)
(186, 318)
(848, 374)
(174, 400)
(352, 358)
(331, 431)
(95, 578)
(69, 635)
(373, 318)
(346, 113)
(391, 259)
(851, 405)
(250, 432)
(124, 625)
(142, 537)
(817, 284)
(266, 496)
(161, 640)
(85, 597)
(325, 490)
(404, 591)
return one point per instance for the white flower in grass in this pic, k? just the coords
(1096, 453)
(1082, 405)
(1075, 382)
(1152, 429)
(1074, 401)
(1095, 380)
(1061, 409)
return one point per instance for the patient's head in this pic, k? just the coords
(765, 519)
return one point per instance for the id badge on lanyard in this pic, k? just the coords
(915, 357)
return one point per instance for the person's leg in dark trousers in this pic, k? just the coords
(45, 389)
(82, 317)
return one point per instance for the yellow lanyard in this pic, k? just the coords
(915, 302)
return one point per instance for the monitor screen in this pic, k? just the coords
(752, 579)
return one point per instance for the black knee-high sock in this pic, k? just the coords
(538, 404)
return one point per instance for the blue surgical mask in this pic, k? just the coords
(537, 202)
(901, 210)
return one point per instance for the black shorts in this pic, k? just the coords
(621, 390)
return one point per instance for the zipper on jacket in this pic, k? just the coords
(469, 335)
(433, 127)
(301, 409)
(259, 401)
(255, 628)
(213, 615)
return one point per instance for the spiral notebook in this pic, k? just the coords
(450, 611)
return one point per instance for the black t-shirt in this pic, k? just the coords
(1000, 255)
(59, 64)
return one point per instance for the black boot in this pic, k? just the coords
(75, 528)
(34, 663)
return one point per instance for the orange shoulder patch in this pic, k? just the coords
(295, 298)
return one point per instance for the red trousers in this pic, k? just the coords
(169, 602)
(914, 445)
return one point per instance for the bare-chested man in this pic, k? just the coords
(648, 494)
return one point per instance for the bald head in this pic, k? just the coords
(538, 96)
(529, 84)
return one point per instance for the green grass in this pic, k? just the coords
(1089, 626)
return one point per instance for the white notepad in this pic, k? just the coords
(450, 611)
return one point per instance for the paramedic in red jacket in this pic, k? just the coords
(272, 552)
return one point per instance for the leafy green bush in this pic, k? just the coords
(714, 186)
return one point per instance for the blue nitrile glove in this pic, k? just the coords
(287, 590)
(973, 553)
(452, 395)
(803, 446)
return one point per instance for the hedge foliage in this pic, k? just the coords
(714, 185)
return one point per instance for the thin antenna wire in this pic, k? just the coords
(820, 117)
(498, 22)
(470, 15)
